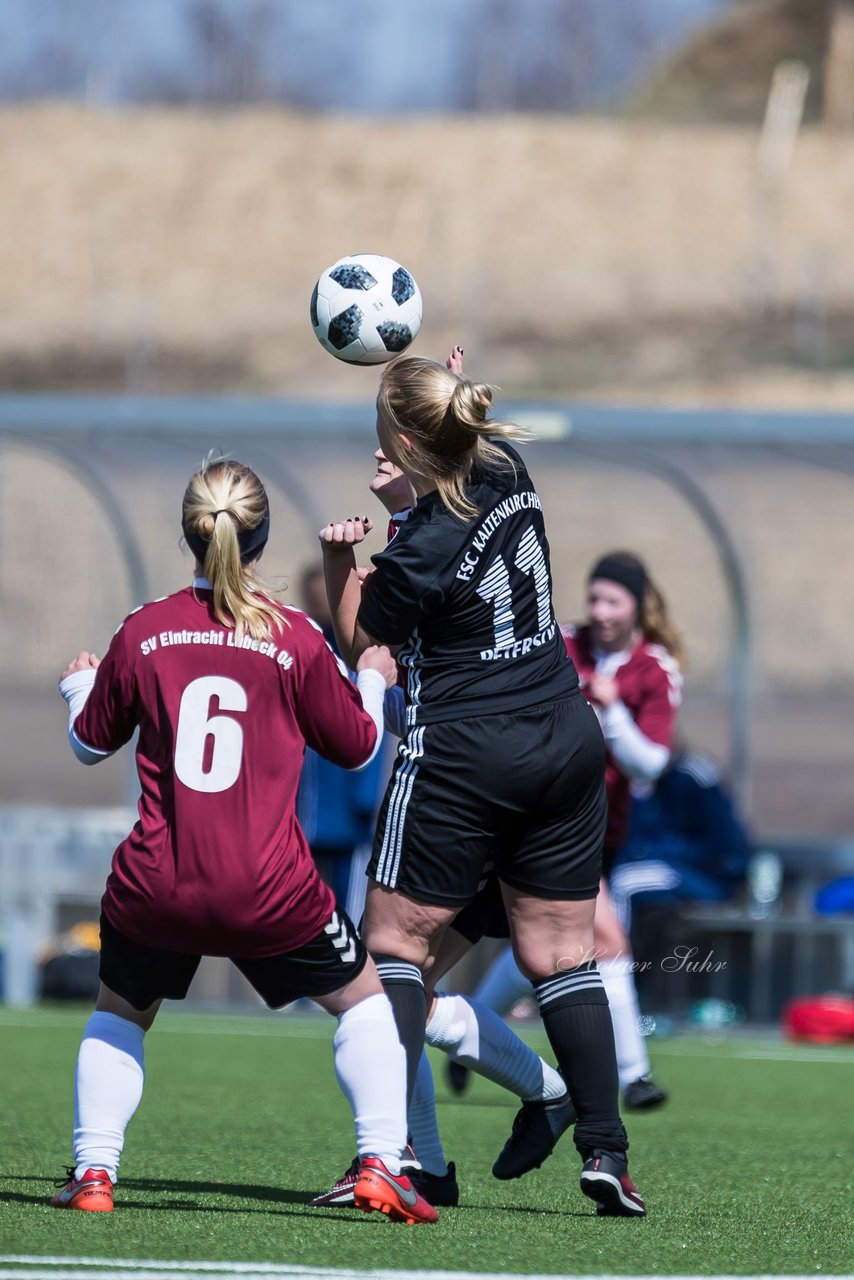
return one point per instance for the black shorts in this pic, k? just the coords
(609, 856)
(524, 790)
(485, 916)
(141, 975)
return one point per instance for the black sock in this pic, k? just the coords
(574, 1009)
(404, 986)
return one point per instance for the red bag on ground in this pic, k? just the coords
(820, 1019)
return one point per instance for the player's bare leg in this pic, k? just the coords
(481, 1041)
(404, 937)
(553, 944)
(453, 948)
(401, 931)
(503, 985)
(477, 1039)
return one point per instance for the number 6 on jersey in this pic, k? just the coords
(196, 725)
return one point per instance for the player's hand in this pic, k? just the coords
(342, 535)
(83, 662)
(455, 361)
(378, 658)
(363, 574)
(602, 690)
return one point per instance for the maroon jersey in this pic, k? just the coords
(395, 522)
(217, 863)
(650, 685)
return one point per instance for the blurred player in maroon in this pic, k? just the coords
(226, 687)
(628, 656)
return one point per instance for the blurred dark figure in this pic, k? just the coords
(336, 809)
(68, 966)
(686, 843)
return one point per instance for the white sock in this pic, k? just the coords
(503, 984)
(632, 1057)
(423, 1129)
(477, 1038)
(107, 1090)
(371, 1068)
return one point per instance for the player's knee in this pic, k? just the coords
(532, 963)
(383, 940)
(395, 925)
(539, 958)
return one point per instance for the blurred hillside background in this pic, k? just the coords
(596, 202)
(577, 182)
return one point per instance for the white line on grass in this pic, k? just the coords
(774, 1053)
(274, 1028)
(118, 1273)
(26, 1021)
(309, 1029)
(284, 1029)
(50, 1268)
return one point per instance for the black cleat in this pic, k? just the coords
(437, 1189)
(605, 1179)
(457, 1076)
(643, 1095)
(535, 1132)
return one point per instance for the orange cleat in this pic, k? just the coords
(93, 1192)
(391, 1194)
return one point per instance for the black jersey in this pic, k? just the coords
(471, 602)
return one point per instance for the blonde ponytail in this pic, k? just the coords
(223, 502)
(444, 418)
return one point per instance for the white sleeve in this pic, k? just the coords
(394, 711)
(637, 755)
(371, 686)
(75, 689)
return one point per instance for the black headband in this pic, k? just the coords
(632, 577)
(250, 541)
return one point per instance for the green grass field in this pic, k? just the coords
(748, 1170)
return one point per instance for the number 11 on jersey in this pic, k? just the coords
(495, 587)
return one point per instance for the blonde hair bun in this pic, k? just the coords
(471, 401)
(444, 421)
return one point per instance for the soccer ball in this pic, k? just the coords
(365, 309)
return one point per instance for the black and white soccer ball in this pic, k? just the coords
(365, 308)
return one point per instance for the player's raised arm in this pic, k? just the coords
(337, 540)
